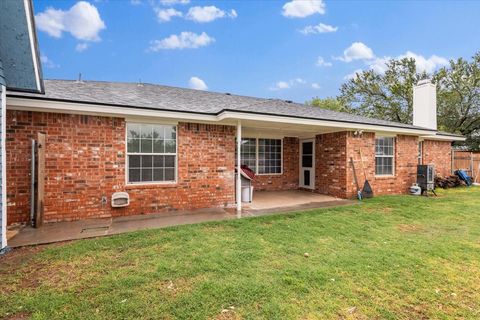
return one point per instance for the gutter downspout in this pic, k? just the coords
(239, 178)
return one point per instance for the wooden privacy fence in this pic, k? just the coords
(468, 161)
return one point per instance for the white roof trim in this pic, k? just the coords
(31, 36)
(225, 117)
(441, 137)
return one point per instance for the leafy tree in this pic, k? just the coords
(386, 96)
(328, 103)
(458, 99)
(389, 96)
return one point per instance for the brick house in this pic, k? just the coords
(175, 149)
(20, 71)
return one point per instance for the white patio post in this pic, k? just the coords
(239, 178)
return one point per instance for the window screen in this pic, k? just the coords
(384, 155)
(151, 153)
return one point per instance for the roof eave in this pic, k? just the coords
(18, 102)
(442, 137)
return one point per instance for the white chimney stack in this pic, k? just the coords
(425, 104)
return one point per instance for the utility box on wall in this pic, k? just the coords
(426, 177)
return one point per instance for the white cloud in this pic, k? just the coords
(303, 8)
(165, 15)
(322, 63)
(81, 47)
(46, 62)
(185, 40)
(197, 83)
(353, 75)
(208, 14)
(423, 64)
(315, 86)
(282, 85)
(135, 2)
(379, 64)
(174, 2)
(233, 14)
(82, 21)
(357, 51)
(319, 28)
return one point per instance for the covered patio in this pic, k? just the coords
(264, 203)
(285, 160)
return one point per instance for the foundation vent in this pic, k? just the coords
(120, 199)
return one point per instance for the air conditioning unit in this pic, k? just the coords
(120, 199)
(426, 178)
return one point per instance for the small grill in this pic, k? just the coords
(247, 175)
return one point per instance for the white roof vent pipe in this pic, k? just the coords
(425, 104)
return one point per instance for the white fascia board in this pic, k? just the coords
(440, 137)
(323, 123)
(31, 36)
(225, 117)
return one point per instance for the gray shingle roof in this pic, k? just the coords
(159, 97)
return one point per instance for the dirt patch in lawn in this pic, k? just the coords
(16, 257)
(227, 314)
(20, 261)
(410, 228)
(18, 316)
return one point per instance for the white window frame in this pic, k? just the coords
(256, 155)
(385, 156)
(420, 152)
(127, 166)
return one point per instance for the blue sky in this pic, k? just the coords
(258, 48)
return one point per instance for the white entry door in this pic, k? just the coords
(307, 164)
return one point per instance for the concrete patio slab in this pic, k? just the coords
(265, 203)
(279, 200)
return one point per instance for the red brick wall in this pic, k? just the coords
(288, 180)
(85, 160)
(406, 160)
(334, 174)
(438, 153)
(330, 164)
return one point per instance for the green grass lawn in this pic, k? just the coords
(395, 257)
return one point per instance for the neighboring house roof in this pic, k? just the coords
(18, 47)
(165, 98)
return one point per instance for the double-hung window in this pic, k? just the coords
(151, 153)
(263, 156)
(384, 156)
